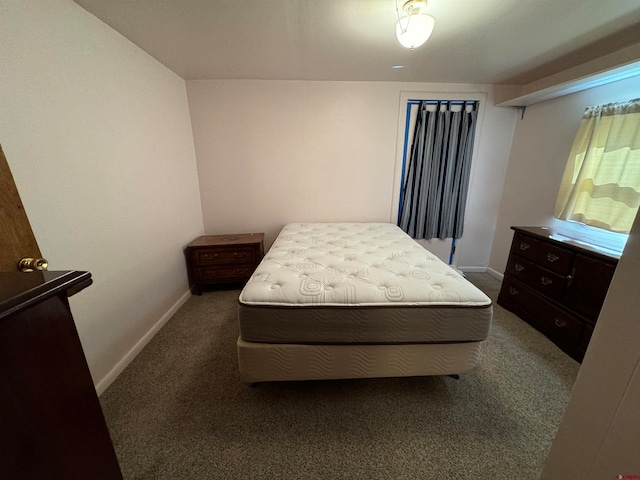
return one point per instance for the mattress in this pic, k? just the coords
(358, 283)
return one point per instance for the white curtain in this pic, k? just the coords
(601, 183)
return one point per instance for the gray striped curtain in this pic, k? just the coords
(437, 180)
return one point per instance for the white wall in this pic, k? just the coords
(541, 145)
(599, 435)
(98, 137)
(274, 152)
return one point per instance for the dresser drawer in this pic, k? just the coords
(549, 284)
(558, 286)
(563, 328)
(221, 255)
(544, 281)
(522, 296)
(522, 269)
(547, 255)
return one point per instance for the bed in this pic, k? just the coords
(357, 300)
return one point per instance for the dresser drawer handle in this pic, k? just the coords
(560, 323)
(513, 291)
(546, 281)
(524, 246)
(570, 277)
(518, 267)
(552, 257)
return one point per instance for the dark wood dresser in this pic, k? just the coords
(557, 285)
(51, 423)
(223, 259)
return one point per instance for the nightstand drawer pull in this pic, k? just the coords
(224, 256)
(513, 291)
(560, 322)
(546, 281)
(552, 257)
(524, 246)
(518, 267)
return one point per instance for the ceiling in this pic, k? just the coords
(474, 41)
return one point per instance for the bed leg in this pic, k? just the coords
(455, 375)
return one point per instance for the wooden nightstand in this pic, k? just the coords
(220, 259)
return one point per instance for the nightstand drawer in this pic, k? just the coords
(221, 255)
(219, 259)
(225, 273)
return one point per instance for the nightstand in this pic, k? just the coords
(223, 259)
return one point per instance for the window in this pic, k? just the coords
(601, 183)
(436, 184)
(435, 181)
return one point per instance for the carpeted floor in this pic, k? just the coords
(179, 411)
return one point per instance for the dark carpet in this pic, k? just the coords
(179, 410)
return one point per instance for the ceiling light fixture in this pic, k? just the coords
(415, 28)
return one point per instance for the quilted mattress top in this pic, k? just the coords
(355, 264)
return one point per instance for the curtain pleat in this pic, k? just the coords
(437, 181)
(601, 183)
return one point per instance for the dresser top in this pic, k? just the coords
(231, 239)
(20, 290)
(548, 233)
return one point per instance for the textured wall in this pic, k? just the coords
(274, 152)
(98, 137)
(541, 145)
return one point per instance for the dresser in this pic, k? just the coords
(557, 285)
(223, 259)
(51, 423)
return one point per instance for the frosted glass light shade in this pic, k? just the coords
(413, 30)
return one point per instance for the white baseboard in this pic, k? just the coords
(103, 384)
(495, 274)
(473, 269)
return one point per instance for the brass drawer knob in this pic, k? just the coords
(518, 267)
(552, 257)
(513, 291)
(524, 246)
(546, 281)
(559, 322)
(570, 277)
(33, 264)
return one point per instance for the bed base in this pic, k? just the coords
(267, 362)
